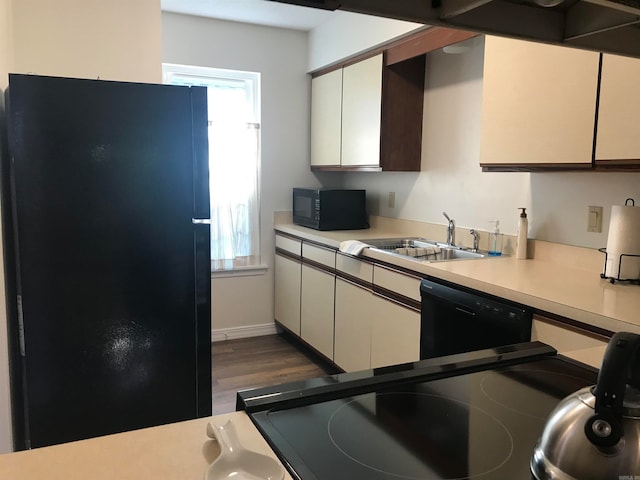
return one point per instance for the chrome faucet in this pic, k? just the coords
(476, 239)
(451, 230)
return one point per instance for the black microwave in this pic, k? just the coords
(330, 208)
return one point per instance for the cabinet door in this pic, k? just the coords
(538, 104)
(361, 112)
(316, 320)
(326, 119)
(287, 292)
(395, 333)
(619, 111)
(352, 326)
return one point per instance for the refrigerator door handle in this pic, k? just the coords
(201, 221)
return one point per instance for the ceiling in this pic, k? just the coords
(261, 12)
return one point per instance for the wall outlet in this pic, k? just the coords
(594, 219)
(392, 199)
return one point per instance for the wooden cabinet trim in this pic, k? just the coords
(575, 326)
(538, 167)
(396, 298)
(416, 43)
(288, 254)
(620, 164)
(354, 280)
(337, 168)
(406, 273)
(321, 267)
(424, 42)
(402, 115)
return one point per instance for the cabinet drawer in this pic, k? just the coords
(291, 245)
(354, 267)
(400, 283)
(325, 256)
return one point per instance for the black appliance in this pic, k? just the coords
(330, 208)
(468, 416)
(106, 242)
(454, 319)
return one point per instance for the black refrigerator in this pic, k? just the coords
(105, 203)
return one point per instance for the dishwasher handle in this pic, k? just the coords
(467, 312)
(471, 302)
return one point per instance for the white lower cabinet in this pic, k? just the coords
(372, 331)
(288, 278)
(316, 317)
(395, 333)
(345, 321)
(353, 315)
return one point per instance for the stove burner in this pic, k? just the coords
(419, 436)
(545, 386)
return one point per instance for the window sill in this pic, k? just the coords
(238, 268)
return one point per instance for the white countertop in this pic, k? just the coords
(177, 451)
(547, 285)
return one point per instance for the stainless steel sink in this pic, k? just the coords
(421, 250)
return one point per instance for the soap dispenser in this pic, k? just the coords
(495, 239)
(521, 239)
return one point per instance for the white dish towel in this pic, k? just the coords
(352, 247)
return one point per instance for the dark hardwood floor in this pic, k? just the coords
(257, 362)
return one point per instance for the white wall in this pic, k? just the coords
(6, 41)
(560, 202)
(347, 34)
(6, 65)
(114, 40)
(281, 57)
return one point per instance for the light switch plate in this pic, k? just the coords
(392, 199)
(594, 219)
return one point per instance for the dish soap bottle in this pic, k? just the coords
(495, 239)
(521, 239)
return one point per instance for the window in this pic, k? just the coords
(234, 160)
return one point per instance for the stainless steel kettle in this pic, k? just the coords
(594, 433)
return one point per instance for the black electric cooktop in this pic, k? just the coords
(456, 422)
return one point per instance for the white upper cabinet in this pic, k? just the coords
(346, 106)
(618, 137)
(326, 118)
(538, 105)
(367, 116)
(361, 112)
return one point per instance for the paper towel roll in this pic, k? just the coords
(624, 238)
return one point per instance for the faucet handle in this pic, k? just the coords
(476, 239)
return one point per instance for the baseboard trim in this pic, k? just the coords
(243, 332)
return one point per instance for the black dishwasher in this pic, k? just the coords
(455, 319)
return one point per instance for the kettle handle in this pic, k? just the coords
(604, 429)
